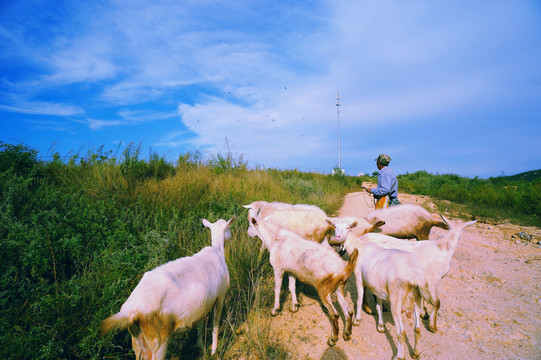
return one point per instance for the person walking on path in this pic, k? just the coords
(386, 193)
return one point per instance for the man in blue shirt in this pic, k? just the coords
(386, 194)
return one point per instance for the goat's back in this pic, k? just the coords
(187, 288)
(307, 221)
(434, 261)
(309, 261)
(406, 221)
(382, 268)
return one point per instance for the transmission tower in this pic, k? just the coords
(338, 125)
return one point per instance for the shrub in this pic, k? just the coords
(17, 158)
(516, 200)
(135, 169)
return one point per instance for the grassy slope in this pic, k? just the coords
(77, 235)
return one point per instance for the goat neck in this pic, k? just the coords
(450, 240)
(218, 232)
(266, 232)
(349, 242)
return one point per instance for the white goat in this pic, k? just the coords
(406, 221)
(312, 263)
(390, 274)
(176, 295)
(434, 255)
(307, 221)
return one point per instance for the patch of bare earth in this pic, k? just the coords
(490, 303)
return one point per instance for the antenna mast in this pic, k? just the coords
(338, 125)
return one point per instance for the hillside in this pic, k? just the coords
(525, 176)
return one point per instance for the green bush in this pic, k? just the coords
(513, 199)
(78, 234)
(19, 159)
(135, 169)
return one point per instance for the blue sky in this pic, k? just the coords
(442, 86)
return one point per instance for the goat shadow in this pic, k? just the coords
(334, 353)
(311, 293)
(387, 316)
(183, 345)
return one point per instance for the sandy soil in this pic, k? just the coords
(490, 302)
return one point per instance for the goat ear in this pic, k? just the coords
(232, 219)
(329, 222)
(253, 220)
(354, 225)
(206, 223)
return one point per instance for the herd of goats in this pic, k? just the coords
(301, 240)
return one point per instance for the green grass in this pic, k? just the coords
(77, 234)
(515, 199)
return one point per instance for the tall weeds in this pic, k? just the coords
(78, 233)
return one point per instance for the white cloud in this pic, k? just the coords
(96, 124)
(139, 116)
(129, 117)
(81, 63)
(173, 140)
(296, 128)
(43, 108)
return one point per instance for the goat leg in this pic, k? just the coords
(294, 302)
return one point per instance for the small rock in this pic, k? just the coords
(524, 235)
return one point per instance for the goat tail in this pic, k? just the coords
(332, 281)
(116, 321)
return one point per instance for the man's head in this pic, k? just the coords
(383, 159)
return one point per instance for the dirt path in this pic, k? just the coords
(491, 307)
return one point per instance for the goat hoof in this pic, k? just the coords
(357, 322)
(294, 308)
(347, 337)
(274, 312)
(397, 358)
(331, 342)
(416, 355)
(433, 328)
(381, 329)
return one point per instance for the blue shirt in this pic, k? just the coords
(387, 183)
